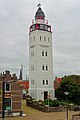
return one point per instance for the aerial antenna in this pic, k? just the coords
(39, 4)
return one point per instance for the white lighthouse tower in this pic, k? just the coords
(40, 58)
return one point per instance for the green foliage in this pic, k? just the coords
(52, 103)
(69, 84)
(63, 103)
(56, 103)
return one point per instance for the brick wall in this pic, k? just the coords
(15, 94)
(76, 117)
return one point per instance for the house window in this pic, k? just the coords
(46, 67)
(46, 82)
(40, 38)
(7, 87)
(42, 53)
(45, 53)
(43, 82)
(43, 67)
(7, 104)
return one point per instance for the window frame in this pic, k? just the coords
(10, 99)
(48, 39)
(43, 67)
(47, 82)
(32, 82)
(46, 68)
(40, 38)
(6, 89)
(42, 53)
(34, 38)
(43, 82)
(44, 38)
(46, 53)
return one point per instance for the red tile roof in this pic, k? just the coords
(59, 80)
(25, 84)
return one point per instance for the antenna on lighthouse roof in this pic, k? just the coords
(39, 4)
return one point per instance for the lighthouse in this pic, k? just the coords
(40, 58)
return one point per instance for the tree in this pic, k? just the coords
(69, 84)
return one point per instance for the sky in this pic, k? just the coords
(16, 17)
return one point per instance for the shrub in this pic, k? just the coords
(63, 103)
(56, 103)
(52, 103)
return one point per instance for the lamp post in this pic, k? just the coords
(66, 93)
(3, 97)
(3, 94)
(48, 100)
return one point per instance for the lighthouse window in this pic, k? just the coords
(42, 26)
(45, 53)
(46, 82)
(32, 67)
(46, 27)
(48, 39)
(31, 39)
(43, 82)
(32, 82)
(46, 68)
(42, 53)
(40, 38)
(32, 53)
(34, 38)
(33, 27)
(43, 67)
(44, 38)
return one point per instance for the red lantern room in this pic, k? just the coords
(40, 23)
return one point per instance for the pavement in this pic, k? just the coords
(33, 114)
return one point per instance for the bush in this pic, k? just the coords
(56, 103)
(52, 103)
(63, 103)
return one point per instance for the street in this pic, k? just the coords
(33, 114)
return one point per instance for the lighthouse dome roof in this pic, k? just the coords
(39, 14)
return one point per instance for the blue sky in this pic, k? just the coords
(16, 17)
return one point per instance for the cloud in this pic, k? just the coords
(15, 19)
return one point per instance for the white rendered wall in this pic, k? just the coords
(36, 89)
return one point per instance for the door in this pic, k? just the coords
(45, 94)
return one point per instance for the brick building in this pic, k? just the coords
(25, 86)
(12, 93)
(57, 82)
